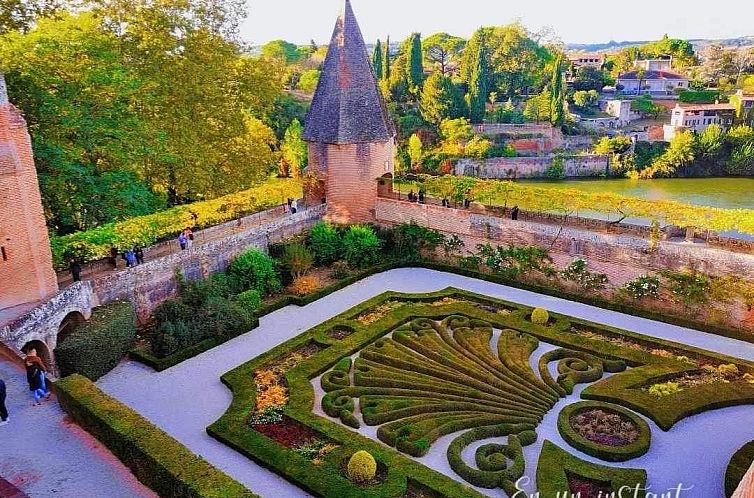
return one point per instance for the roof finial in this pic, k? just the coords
(3, 90)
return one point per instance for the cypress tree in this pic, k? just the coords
(377, 59)
(478, 82)
(415, 63)
(386, 61)
(557, 105)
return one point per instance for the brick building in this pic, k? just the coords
(350, 135)
(26, 273)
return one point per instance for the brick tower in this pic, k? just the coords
(26, 273)
(350, 135)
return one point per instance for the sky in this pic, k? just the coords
(575, 21)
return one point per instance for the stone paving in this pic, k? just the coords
(187, 398)
(43, 454)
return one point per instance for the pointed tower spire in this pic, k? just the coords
(347, 107)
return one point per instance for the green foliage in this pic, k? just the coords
(377, 59)
(157, 460)
(700, 96)
(589, 78)
(326, 243)
(298, 259)
(538, 108)
(294, 149)
(415, 150)
(362, 467)
(578, 273)
(97, 345)
(281, 50)
(664, 389)
(249, 300)
(513, 261)
(540, 316)
(415, 64)
(509, 114)
(361, 246)
(556, 169)
(692, 289)
(479, 76)
(443, 50)
(585, 99)
(412, 242)
(255, 270)
(643, 286)
(308, 81)
(646, 106)
(557, 94)
(680, 153)
(739, 465)
(441, 99)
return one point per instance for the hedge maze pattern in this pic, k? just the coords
(419, 367)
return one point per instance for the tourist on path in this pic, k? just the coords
(35, 376)
(131, 258)
(514, 213)
(182, 240)
(421, 196)
(411, 196)
(75, 268)
(3, 409)
(189, 237)
(294, 206)
(139, 253)
(113, 259)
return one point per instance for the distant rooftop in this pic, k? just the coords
(347, 107)
(652, 75)
(707, 107)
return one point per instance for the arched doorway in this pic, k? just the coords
(385, 185)
(70, 323)
(42, 351)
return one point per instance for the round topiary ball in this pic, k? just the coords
(540, 316)
(362, 467)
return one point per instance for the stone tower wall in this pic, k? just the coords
(26, 273)
(350, 174)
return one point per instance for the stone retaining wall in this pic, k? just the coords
(532, 167)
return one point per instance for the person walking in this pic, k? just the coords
(35, 376)
(75, 268)
(514, 213)
(421, 196)
(182, 241)
(131, 258)
(113, 259)
(3, 409)
(139, 253)
(189, 237)
(411, 196)
(294, 206)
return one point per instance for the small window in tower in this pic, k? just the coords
(387, 166)
(3, 253)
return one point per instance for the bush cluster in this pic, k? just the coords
(540, 316)
(362, 467)
(255, 270)
(643, 286)
(98, 344)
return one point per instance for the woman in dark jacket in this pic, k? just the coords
(35, 376)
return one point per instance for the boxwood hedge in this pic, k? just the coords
(154, 457)
(98, 344)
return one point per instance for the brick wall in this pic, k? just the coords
(620, 249)
(350, 174)
(532, 167)
(26, 273)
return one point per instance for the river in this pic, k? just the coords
(727, 193)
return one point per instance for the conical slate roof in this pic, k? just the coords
(347, 107)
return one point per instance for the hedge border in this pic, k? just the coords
(739, 465)
(232, 429)
(156, 459)
(160, 364)
(601, 451)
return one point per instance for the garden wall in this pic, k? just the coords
(621, 247)
(155, 281)
(532, 167)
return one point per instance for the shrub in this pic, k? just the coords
(340, 270)
(664, 389)
(157, 460)
(305, 285)
(692, 289)
(362, 246)
(644, 286)
(362, 467)
(255, 270)
(577, 272)
(326, 243)
(297, 259)
(249, 300)
(412, 242)
(540, 316)
(99, 344)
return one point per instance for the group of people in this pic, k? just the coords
(420, 197)
(292, 206)
(35, 376)
(186, 239)
(132, 257)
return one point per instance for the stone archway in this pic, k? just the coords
(385, 185)
(70, 323)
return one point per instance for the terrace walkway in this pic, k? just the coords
(168, 399)
(44, 454)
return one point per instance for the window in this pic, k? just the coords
(3, 253)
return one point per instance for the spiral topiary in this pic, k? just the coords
(362, 467)
(540, 316)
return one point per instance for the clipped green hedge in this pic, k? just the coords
(738, 467)
(601, 451)
(555, 465)
(98, 344)
(155, 458)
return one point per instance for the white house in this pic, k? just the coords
(698, 117)
(652, 76)
(620, 109)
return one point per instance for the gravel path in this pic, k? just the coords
(43, 454)
(185, 399)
